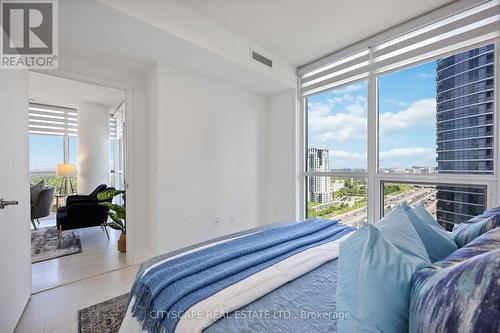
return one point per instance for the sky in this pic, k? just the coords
(46, 151)
(337, 120)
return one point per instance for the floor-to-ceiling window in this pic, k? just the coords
(410, 119)
(337, 153)
(52, 141)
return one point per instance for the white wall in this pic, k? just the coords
(93, 146)
(282, 172)
(211, 155)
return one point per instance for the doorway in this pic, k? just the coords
(76, 151)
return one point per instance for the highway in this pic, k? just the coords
(356, 217)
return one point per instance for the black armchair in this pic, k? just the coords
(82, 211)
(84, 198)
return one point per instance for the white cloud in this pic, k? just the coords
(346, 155)
(345, 159)
(357, 110)
(424, 153)
(421, 113)
(427, 75)
(325, 127)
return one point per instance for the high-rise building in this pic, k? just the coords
(319, 188)
(465, 129)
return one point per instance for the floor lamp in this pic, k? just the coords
(66, 171)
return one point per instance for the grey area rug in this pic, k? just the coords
(105, 317)
(44, 244)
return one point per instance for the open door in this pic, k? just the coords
(15, 253)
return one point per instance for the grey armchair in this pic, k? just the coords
(42, 205)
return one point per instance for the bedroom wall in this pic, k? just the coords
(211, 157)
(282, 173)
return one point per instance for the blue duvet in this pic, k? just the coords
(173, 287)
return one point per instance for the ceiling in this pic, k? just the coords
(121, 39)
(302, 31)
(52, 90)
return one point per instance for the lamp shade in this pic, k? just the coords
(66, 170)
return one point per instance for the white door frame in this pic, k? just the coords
(128, 136)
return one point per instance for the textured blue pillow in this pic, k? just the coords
(379, 277)
(438, 244)
(462, 297)
(486, 242)
(495, 212)
(466, 232)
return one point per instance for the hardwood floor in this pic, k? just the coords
(56, 310)
(99, 255)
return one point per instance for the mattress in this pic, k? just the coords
(304, 303)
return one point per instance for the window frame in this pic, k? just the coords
(375, 178)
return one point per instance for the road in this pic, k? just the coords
(413, 197)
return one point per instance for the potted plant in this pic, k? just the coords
(117, 213)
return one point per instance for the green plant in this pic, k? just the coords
(116, 212)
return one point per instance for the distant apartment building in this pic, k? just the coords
(319, 188)
(465, 96)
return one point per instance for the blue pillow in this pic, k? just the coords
(348, 267)
(398, 229)
(462, 297)
(466, 232)
(425, 216)
(379, 277)
(438, 244)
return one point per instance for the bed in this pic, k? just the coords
(405, 273)
(295, 294)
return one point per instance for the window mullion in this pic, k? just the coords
(374, 200)
(66, 149)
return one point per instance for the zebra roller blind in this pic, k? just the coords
(52, 120)
(462, 29)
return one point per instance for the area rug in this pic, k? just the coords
(44, 244)
(105, 317)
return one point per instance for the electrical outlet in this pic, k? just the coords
(231, 219)
(217, 221)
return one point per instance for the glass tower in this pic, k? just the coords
(465, 129)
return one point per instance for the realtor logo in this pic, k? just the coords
(29, 37)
